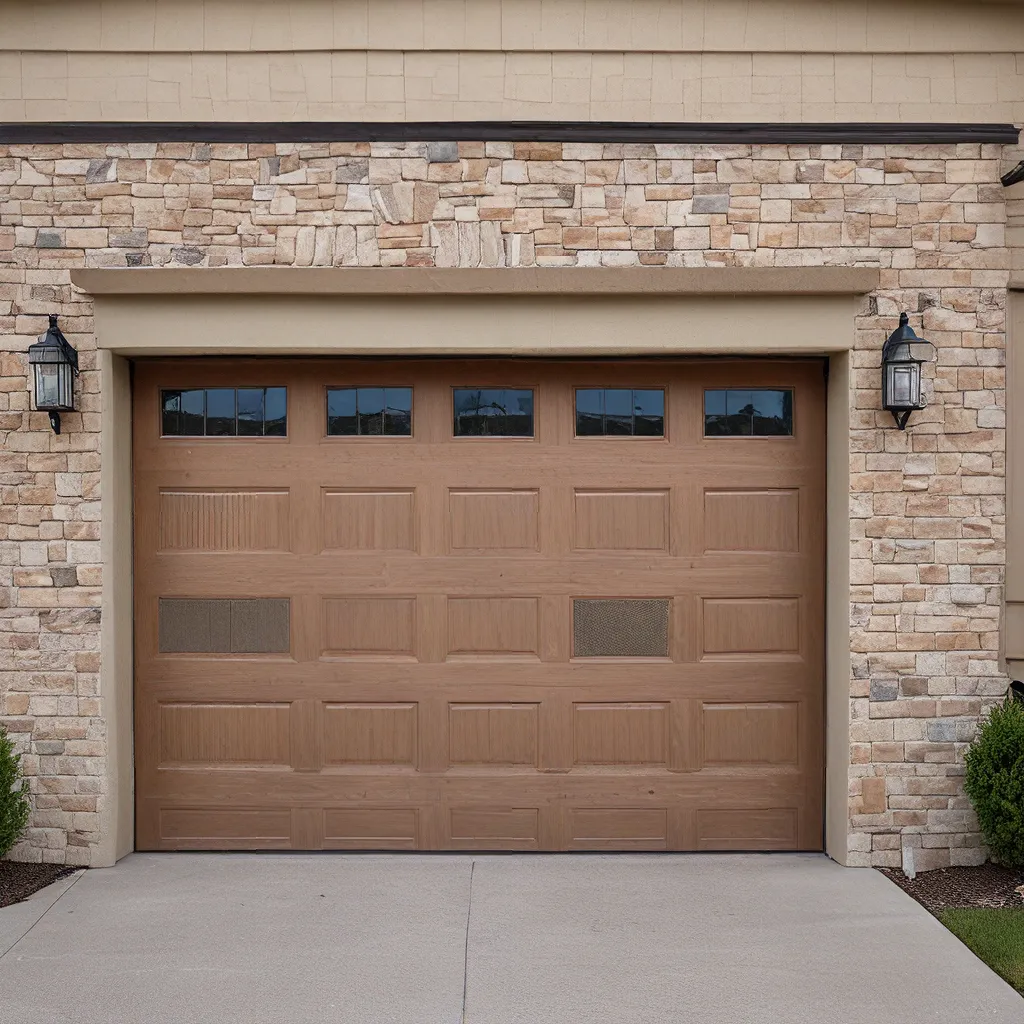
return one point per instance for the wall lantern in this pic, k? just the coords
(901, 372)
(54, 367)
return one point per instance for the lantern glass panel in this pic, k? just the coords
(905, 386)
(47, 385)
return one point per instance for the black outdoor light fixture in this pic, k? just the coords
(901, 373)
(54, 367)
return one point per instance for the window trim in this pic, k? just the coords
(327, 436)
(244, 438)
(533, 388)
(663, 436)
(704, 436)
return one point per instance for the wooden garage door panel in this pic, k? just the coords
(752, 521)
(217, 519)
(422, 642)
(622, 520)
(235, 734)
(357, 520)
(494, 520)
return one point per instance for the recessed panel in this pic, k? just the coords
(751, 520)
(225, 734)
(369, 734)
(759, 829)
(221, 827)
(620, 628)
(623, 828)
(369, 520)
(370, 828)
(494, 520)
(484, 825)
(620, 733)
(369, 627)
(224, 520)
(622, 521)
(751, 733)
(493, 734)
(500, 626)
(761, 625)
(224, 625)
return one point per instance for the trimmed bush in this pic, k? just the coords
(14, 805)
(995, 781)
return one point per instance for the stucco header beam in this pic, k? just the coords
(524, 281)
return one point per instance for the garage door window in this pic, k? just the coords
(623, 412)
(493, 412)
(224, 412)
(369, 412)
(765, 412)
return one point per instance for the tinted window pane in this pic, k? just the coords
(250, 412)
(398, 402)
(493, 412)
(370, 409)
(370, 412)
(649, 413)
(742, 412)
(193, 413)
(589, 412)
(620, 412)
(220, 412)
(223, 412)
(275, 412)
(773, 413)
(341, 411)
(171, 412)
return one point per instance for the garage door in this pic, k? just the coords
(508, 605)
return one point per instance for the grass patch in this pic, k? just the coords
(994, 935)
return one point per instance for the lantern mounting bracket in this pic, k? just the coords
(900, 418)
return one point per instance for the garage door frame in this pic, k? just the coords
(129, 301)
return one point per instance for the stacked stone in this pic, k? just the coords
(927, 506)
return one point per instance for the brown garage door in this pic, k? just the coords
(479, 604)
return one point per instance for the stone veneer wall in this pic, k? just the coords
(927, 506)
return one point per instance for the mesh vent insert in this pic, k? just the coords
(224, 626)
(620, 628)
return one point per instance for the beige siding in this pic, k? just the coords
(794, 26)
(693, 60)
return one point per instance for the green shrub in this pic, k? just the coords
(13, 796)
(995, 781)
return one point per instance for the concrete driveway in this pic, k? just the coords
(374, 939)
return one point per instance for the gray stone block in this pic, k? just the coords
(942, 730)
(138, 259)
(353, 171)
(442, 152)
(65, 576)
(129, 238)
(49, 240)
(101, 170)
(187, 255)
(711, 204)
(884, 689)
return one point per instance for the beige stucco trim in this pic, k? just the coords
(253, 281)
(1013, 625)
(838, 668)
(756, 325)
(117, 824)
(569, 325)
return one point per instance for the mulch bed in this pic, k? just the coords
(19, 881)
(989, 885)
